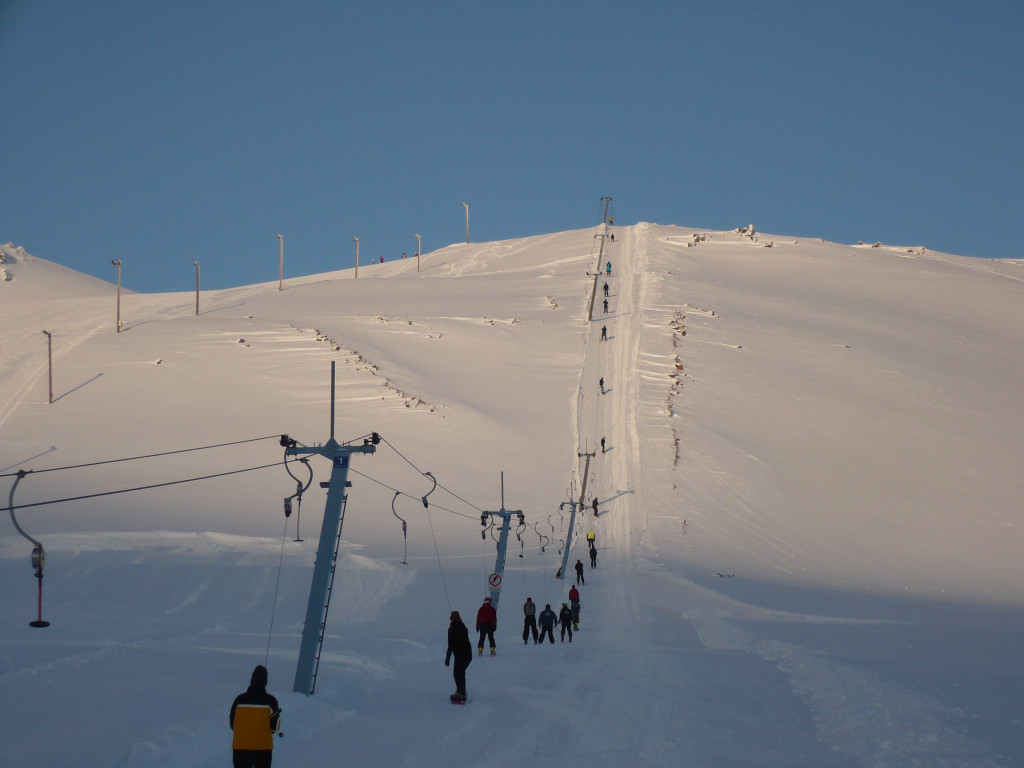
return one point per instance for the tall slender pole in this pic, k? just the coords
(280, 273)
(606, 201)
(117, 263)
(418, 242)
(49, 359)
(466, 206)
(357, 256)
(197, 285)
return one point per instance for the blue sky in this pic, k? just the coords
(159, 133)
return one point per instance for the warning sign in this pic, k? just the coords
(494, 580)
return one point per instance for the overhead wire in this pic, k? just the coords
(145, 456)
(144, 487)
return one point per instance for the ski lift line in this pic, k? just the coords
(428, 474)
(409, 495)
(440, 567)
(277, 585)
(144, 487)
(146, 456)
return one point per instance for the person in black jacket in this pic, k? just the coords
(459, 647)
(565, 619)
(579, 572)
(254, 719)
(547, 623)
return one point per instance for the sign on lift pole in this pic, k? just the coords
(494, 580)
(327, 550)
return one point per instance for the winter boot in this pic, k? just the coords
(480, 651)
(492, 650)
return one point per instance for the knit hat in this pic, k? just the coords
(259, 677)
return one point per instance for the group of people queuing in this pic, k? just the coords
(536, 625)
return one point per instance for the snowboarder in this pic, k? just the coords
(529, 620)
(606, 289)
(604, 333)
(574, 605)
(547, 623)
(593, 557)
(608, 268)
(486, 623)
(579, 571)
(254, 719)
(459, 647)
(565, 619)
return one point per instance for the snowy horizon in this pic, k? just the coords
(809, 530)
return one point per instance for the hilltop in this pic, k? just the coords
(808, 532)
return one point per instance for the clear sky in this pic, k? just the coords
(159, 133)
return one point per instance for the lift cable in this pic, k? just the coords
(146, 456)
(437, 484)
(144, 487)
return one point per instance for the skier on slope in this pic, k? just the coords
(604, 333)
(459, 647)
(565, 619)
(608, 268)
(254, 720)
(529, 620)
(574, 605)
(547, 622)
(579, 571)
(593, 557)
(590, 538)
(606, 289)
(486, 623)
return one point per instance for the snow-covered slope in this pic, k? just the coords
(809, 506)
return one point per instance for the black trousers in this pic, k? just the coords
(530, 624)
(459, 673)
(486, 631)
(547, 631)
(251, 758)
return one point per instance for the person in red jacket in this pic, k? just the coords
(486, 623)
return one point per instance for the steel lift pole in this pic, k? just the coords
(494, 580)
(327, 551)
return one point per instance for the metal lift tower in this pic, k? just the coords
(327, 550)
(494, 580)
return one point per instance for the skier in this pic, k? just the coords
(593, 557)
(608, 268)
(579, 571)
(574, 604)
(565, 619)
(547, 623)
(591, 536)
(459, 647)
(602, 445)
(606, 289)
(604, 333)
(254, 719)
(486, 623)
(606, 306)
(529, 620)
(601, 382)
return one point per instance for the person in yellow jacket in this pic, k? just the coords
(255, 718)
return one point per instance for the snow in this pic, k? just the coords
(809, 531)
